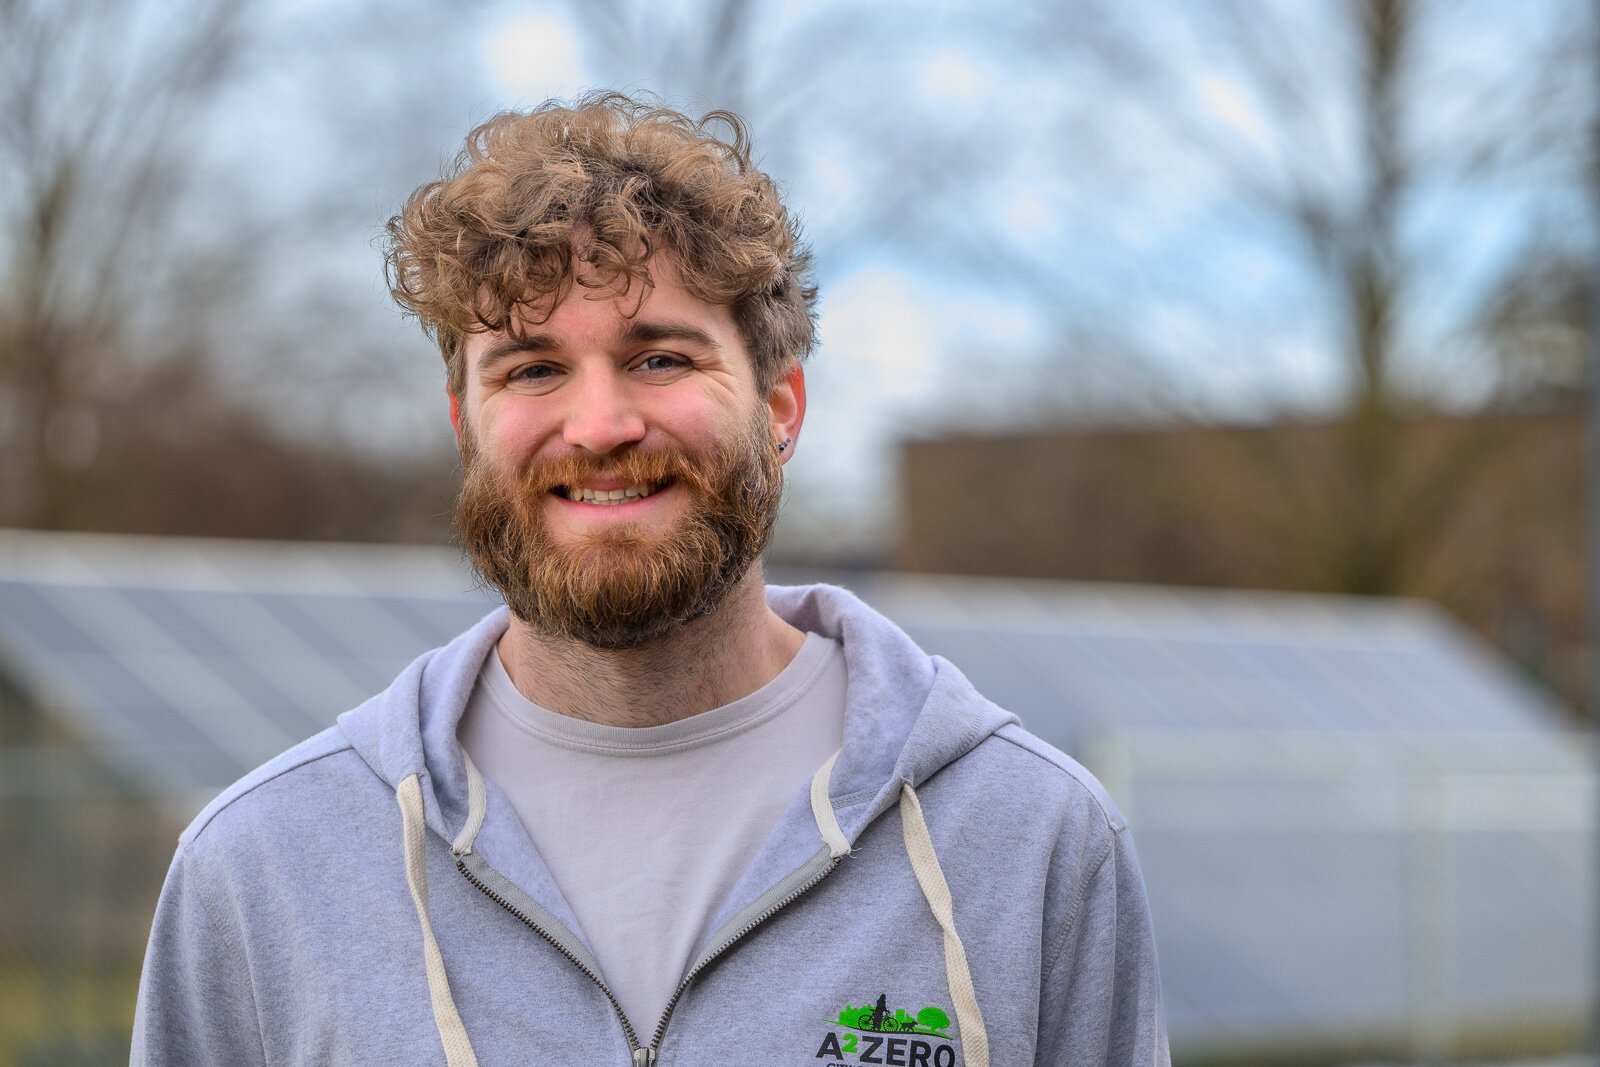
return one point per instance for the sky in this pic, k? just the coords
(1009, 226)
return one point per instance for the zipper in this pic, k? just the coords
(645, 1055)
(642, 1057)
(706, 961)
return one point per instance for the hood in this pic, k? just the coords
(907, 714)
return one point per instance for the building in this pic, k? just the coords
(1483, 515)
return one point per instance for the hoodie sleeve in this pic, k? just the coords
(196, 1004)
(1101, 997)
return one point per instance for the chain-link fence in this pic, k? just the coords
(1346, 894)
(84, 858)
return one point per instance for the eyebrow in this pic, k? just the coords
(645, 332)
(638, 333)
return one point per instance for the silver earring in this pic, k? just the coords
(784, 445)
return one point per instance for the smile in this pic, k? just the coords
(581, 495)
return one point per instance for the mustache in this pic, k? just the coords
(654, 467)
(705, 475)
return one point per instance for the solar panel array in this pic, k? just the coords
(186, 664)
(1351, 816)
(1131, 657)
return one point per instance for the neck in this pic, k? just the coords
(730, 653)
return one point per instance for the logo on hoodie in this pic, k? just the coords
(877, 1034)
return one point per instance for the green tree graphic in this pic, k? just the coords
(854, 1017)
(880, 1019)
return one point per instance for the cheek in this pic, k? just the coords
(694, 432)
(696, 419)
(514, 432)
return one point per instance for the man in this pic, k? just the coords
(653, 812)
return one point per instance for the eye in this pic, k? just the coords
(533, 372)
(662, 363)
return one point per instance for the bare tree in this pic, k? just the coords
(1421, 125)
(145, 259)
(93, 106)
(1336, 139)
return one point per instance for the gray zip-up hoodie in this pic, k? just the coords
(950, 890)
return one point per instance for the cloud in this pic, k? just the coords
(534, 55)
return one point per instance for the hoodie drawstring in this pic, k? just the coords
(913, 828)
(457, 1048)
(822, 810)
(935, 890)
(930, 876)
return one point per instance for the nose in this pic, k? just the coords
(603, 416)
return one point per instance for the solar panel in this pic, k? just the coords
(1133, 657)
(243, 651)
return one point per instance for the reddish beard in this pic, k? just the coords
(630, 584)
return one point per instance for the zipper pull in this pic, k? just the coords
(644, 1057)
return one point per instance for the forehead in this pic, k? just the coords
(592, 307)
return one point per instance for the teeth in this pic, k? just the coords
(611, 496)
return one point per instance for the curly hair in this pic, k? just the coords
(609, 180)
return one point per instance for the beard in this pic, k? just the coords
(630, 584)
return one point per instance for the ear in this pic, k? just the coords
(455, 413)
(786, 408)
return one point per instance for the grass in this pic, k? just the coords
(67, 1012)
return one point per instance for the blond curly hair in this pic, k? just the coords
(612, 180)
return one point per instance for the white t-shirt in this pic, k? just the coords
(646, 829)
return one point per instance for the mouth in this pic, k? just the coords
(606, 497)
